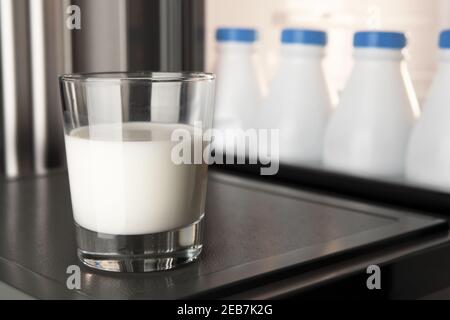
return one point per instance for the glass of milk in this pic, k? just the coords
(134, 145)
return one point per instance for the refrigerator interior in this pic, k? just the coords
(421, 21)
(340, 18)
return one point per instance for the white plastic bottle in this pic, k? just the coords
(238, 83)
(298, 103)
(368, 132)
(238, 90)
(428, 157)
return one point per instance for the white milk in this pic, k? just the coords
(298, 103)
(238, 91)
(428, 157)
(238, 84)
(123, 181)
(368, 133)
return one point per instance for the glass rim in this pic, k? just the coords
(139, 76)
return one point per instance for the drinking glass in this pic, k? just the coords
(138, 194)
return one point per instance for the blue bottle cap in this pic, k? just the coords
(304, 36)
(236, 34)
(379, 39)
(444, 39)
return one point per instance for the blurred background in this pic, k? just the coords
(340, 18)
(172, 35)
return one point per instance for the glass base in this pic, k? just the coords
(140, 253)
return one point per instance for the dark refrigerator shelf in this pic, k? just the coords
(394, 191)
(255, 233)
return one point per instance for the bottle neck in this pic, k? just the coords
(377, 65)
(295, 50)
(444, 55)
(376, 54)
(236, 47)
